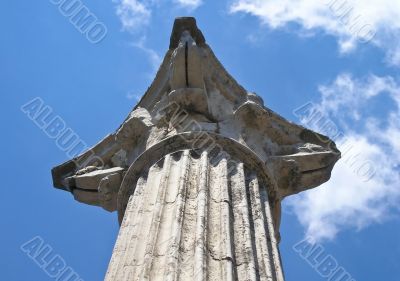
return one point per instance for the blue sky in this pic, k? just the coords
(295, 54)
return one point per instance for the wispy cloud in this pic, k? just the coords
(153, 56)
(352, 22)
(133, 96)
(133, 14)
(189, 4)
(348, 200)
(136, 15)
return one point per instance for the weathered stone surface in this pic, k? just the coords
(96, 186)
(201, 218)
(197, 173)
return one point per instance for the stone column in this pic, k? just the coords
(196, 214)
(197, 173)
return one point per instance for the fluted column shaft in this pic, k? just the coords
(194, 217)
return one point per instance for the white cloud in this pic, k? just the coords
(393, 56)
(154, 58)
(365, 184)
(133, 14)
(136, 14)
(189, 4)
(351, 21)
(347, 96)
